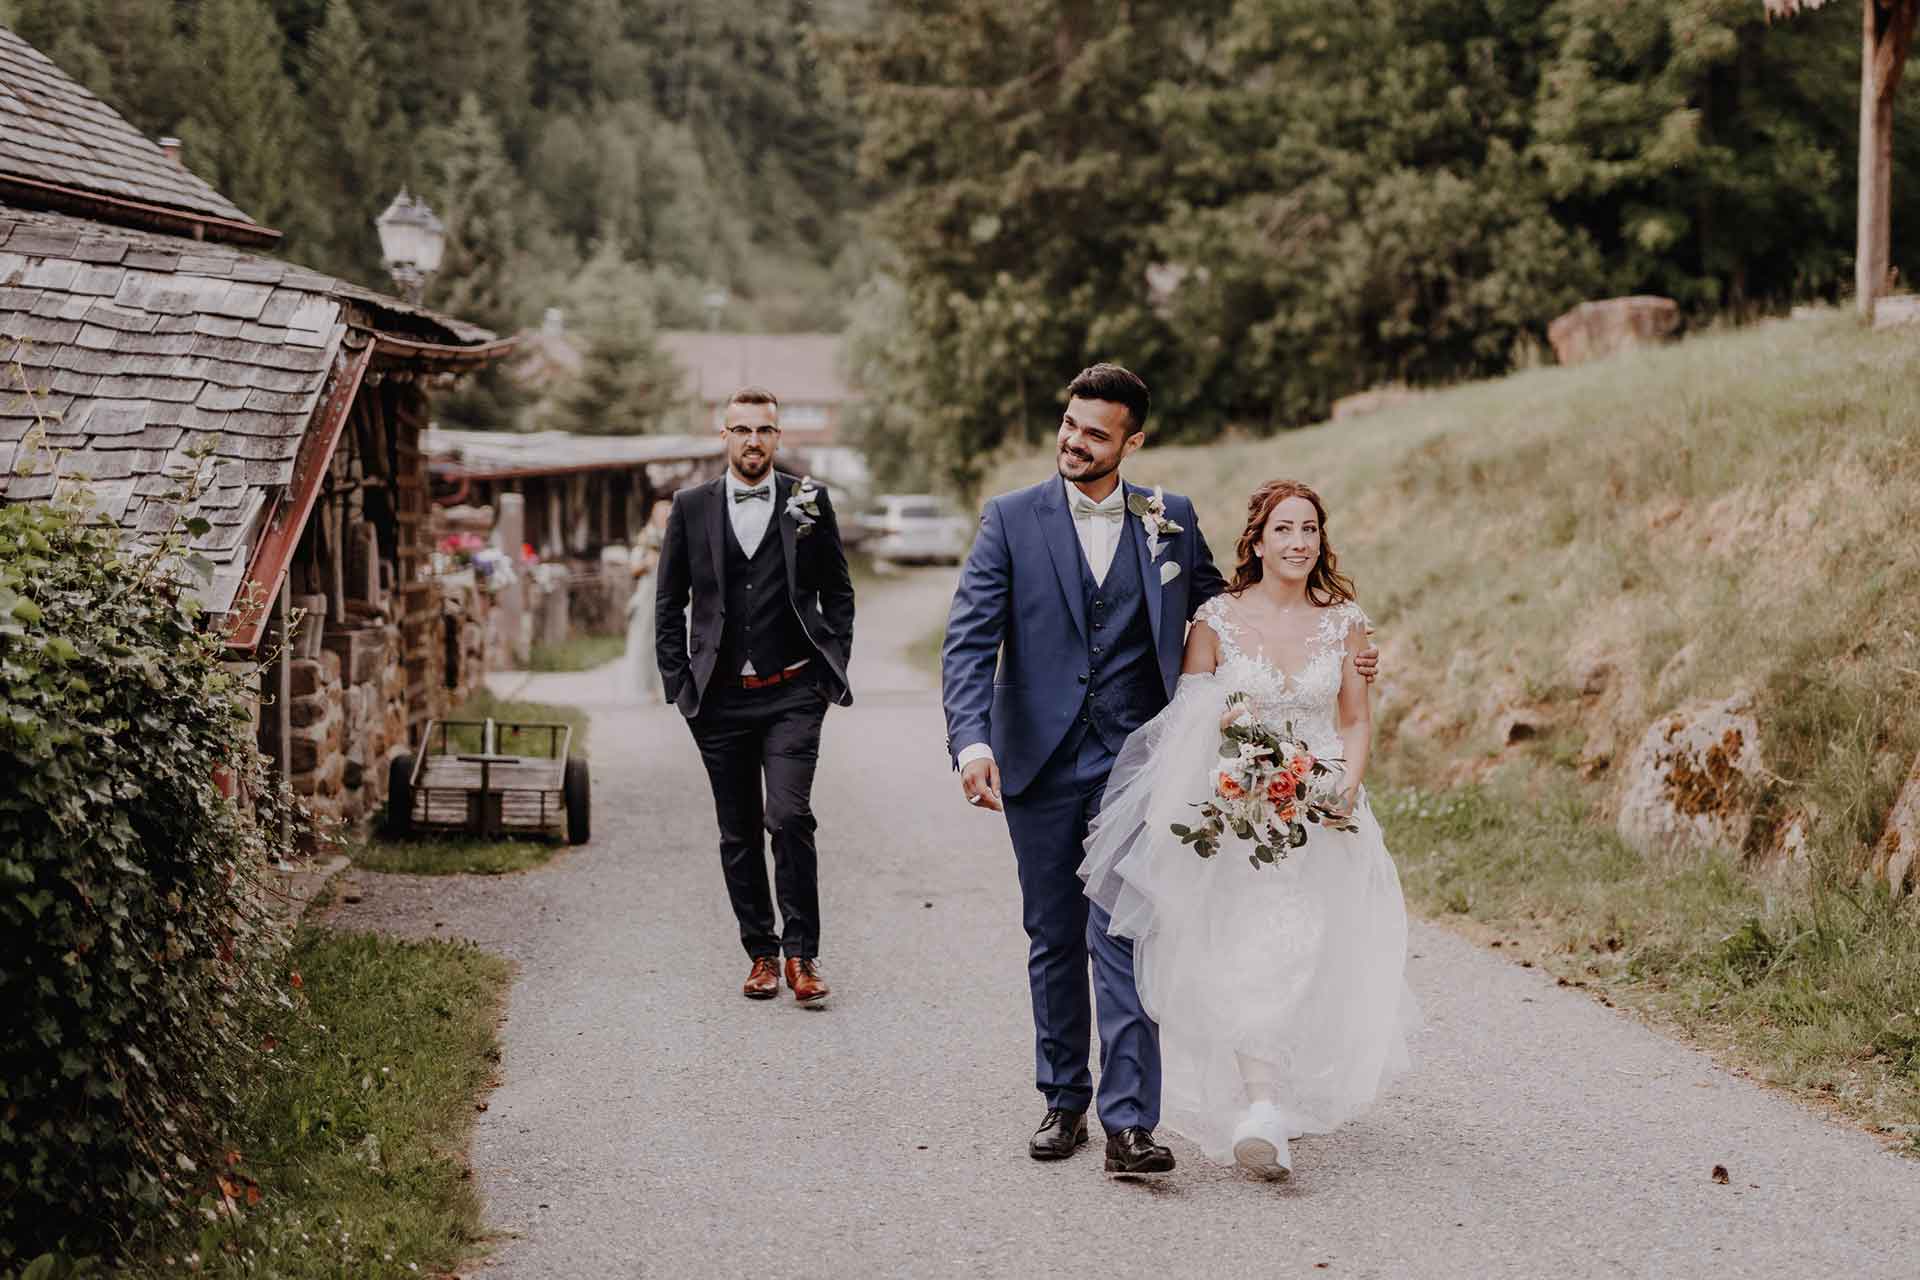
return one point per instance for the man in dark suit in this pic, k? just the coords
(1066, 635)
(759, 556)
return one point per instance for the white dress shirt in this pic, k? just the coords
(750, 520)
(1098, 539)
(1098, 536)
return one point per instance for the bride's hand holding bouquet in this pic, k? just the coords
(1263, 790)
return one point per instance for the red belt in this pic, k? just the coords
(767, 682)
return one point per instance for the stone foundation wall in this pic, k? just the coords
(349, 713)
(349, 708)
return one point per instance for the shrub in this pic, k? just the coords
(135, 957)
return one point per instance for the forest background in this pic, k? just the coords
(1263, 204)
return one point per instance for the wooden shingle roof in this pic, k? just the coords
(132, 361)
(58, 140)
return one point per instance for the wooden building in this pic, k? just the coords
(581, 493)
(154, 364)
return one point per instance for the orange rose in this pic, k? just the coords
(1288, 813)
(1281, 788)
(1301, 765)
(1228, 787)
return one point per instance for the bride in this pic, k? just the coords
(1278, 985)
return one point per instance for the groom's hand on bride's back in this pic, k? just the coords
(1367, 661)
(980, 782)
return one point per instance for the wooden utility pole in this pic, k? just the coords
(1886, 37)
(1887, 28)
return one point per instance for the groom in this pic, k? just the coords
(758, 554)
(1080, 588)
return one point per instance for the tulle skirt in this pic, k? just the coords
(1281, 983)
(640, 670)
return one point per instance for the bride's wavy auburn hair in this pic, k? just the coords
(1326, 585)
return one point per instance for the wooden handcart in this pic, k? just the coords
(493, 779)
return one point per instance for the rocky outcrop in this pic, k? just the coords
(1693, 780)
(1896, 859)
(1596, 330)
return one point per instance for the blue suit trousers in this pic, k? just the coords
(1048, 822)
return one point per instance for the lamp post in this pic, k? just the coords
(412, 238)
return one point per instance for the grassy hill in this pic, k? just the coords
(1592, 548)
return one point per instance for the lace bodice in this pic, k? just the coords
(1308, 697)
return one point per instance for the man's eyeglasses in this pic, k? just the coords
(753, 433)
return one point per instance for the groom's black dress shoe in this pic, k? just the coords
(1134, 1151)
(1058, 1135)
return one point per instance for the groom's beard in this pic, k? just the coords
(1093, 471)
(753, 470)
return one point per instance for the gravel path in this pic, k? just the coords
(650, 1122)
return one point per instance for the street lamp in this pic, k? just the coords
(412, 238)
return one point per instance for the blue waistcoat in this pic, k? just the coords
(1124, 685)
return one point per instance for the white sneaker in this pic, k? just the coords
(1260, 1143)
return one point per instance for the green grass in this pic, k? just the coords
(1600, 545)
(442, 855)
(484, 705)
(578, 653)
(357, 1137)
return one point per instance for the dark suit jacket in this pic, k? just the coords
(1021, 603)
(693, 566)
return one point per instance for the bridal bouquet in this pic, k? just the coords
(1263, 791)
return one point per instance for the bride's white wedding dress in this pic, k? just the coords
(1289, 978)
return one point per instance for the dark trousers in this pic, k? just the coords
(760, 747)
(1048, 823)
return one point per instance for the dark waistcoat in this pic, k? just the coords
(761, 625)
(1124, 686)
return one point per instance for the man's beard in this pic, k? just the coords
(1094, 472)
(753, 468)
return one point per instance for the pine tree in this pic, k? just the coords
(627, 384)
(240, 134)
(355, 174)
(474, 191)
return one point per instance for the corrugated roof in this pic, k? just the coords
(53, 131)
(796, 367)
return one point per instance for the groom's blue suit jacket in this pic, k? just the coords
(1014, 666)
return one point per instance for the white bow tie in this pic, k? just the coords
(1113, 508)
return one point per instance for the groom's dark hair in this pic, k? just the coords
(1112, 383)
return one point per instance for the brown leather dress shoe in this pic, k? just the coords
(764, 982)
(809, 988)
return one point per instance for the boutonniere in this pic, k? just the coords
(803, 504)
(1151, 508)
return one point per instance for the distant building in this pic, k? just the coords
(802, 369)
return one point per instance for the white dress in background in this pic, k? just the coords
(1290, 975)
(641, 670)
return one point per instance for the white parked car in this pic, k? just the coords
(916, 528)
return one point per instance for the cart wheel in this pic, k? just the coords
(579, 795)
(400, 795)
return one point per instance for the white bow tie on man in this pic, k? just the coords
(1098, 525)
